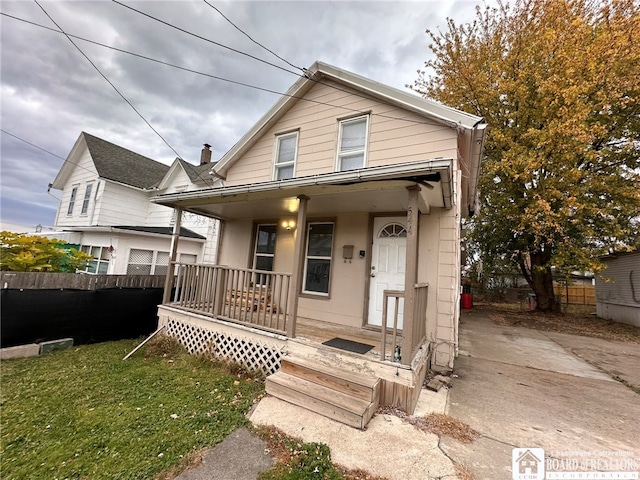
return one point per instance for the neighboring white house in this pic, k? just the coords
(618, 289)
(105, 208)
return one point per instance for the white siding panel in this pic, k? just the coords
(122, 205)
(84, 172)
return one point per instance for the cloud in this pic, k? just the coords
(50, 93)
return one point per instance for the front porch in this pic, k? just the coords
(241, 315)
(350, 253)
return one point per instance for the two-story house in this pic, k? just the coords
(339, 262)
(105, 208)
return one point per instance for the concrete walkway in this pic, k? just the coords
(524, 388)
(518, 387)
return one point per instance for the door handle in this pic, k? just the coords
(373, 275)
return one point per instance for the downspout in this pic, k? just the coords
(168, 281)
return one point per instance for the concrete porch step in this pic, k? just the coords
(336, 392)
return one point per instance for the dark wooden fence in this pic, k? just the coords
(37, 307)
(76, 281)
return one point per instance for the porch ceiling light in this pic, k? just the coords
(289, 224)
(291, 204)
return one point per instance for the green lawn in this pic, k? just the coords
(85, 413)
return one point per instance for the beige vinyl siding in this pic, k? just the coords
(395, 136)
(235, 250)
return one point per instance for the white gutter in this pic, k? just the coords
(385, 172)
(475, 155)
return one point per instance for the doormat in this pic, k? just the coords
(348, 345)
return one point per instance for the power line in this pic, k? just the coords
(249, 37)
(306, 74)
(223, 79)
(240, 52)
(108, 81)
(32, 144)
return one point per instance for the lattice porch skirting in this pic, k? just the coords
(249, 352)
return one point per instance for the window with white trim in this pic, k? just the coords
(100, 263)
(265, 248)
(317, 262)
(147, 262)
(286, 153)
(87, 199)
(352, 143)
(72, 200)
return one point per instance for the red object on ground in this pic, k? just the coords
(467, 301)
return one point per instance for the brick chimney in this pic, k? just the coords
(205, 156)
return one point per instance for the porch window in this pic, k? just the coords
(72, 200)
(87, 199)
(352, 143)
(317, 265)
(285, 161)
(265, 247)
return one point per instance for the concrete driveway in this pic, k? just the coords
(524, 388)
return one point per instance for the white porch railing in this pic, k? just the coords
(254, 298)
(416, 332)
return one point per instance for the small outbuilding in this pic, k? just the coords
(618, 288)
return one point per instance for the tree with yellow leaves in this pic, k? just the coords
(33, 253)
(558, 82)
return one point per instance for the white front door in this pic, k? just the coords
(388, 255)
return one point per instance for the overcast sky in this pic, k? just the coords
(51, 93)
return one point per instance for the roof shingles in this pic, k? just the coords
(124, 166)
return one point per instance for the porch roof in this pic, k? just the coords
(374, 189)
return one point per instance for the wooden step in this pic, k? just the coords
(340, 380)
(336, 405)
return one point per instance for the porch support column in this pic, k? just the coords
(298, 260)
(168, 281)
(411, 273)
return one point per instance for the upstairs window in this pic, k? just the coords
(87, 198)
(352, 143)
(72, 200)
(286, 152)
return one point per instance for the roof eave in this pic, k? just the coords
(385, 172)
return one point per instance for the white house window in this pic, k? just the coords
(265, 247)
(352, 143)
(317, 264)
(72, 200)
(285, 161)
(161, 263)
(147, 262)
(100, 263)
(87, 198)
